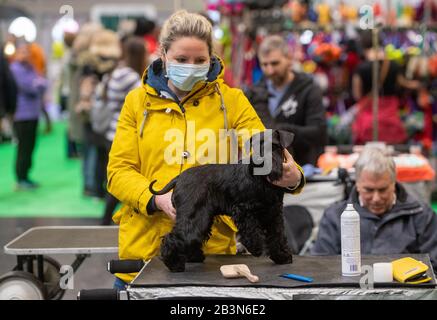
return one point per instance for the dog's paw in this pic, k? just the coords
(256, 248)
(282, 258)
(175, 267)
(196, 258)
(256, 252)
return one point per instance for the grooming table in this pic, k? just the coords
(82, 241)
(204, 280)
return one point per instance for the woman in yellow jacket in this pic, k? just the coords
(162, 128)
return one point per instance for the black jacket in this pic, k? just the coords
(409, 227)
(8, 88)
(302, 113)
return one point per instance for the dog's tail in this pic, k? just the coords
(164, 190)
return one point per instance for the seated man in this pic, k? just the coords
(391, 220)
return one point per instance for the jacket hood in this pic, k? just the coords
(155, 77)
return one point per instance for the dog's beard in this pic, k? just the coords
(276, 160)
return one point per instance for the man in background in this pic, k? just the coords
(288, 100)
(391, 220)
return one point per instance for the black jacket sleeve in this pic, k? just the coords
(151, 206)
(426, 225)
(314, 132)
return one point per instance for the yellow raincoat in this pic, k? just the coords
(150, 120)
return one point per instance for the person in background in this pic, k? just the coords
(31, 87)
(390, 80)
(79, 59)
(65, 95)
(289, 100)
(391, 220)
(351, 62)
(99, 59)
(8, 94)
(38, 60)
(80, 62)
(110, 95)
(147, 29)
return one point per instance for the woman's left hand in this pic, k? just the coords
(291, 175)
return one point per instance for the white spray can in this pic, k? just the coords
(350, 242)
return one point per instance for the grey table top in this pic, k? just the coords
(325, 270)
(65, 240)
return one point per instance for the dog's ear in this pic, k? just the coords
(283, 138)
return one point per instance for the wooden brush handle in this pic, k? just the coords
(252, 278)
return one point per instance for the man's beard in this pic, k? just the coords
(279, 81)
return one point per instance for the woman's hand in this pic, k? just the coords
(291, 175)
(163, 202)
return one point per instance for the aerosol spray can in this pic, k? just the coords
(350, 242)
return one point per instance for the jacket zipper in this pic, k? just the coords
(181, 105)
(185, 141)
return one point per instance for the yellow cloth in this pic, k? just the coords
(410, 270)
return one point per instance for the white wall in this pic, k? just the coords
(164, 7)
(45, 13)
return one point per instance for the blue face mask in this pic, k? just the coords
(184, 76)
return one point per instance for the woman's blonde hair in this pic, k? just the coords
(185, 24)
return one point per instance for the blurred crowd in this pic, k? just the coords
(98, 68)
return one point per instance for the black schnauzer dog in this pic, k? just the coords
(255, 205)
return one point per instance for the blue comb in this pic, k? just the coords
(296, 277)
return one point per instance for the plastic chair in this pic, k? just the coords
(299, 228)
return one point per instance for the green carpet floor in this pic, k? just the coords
(60, 194)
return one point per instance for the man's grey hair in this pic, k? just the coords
(375, 160)
(271, 43)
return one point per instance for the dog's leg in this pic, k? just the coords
(198, 232)
(173, 252)
(184, 243)
(250, 232)
(276, 240)
(195, 254)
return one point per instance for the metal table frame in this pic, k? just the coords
(27, 255)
